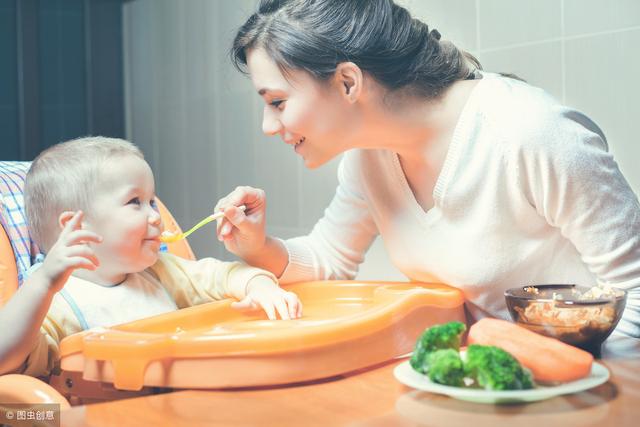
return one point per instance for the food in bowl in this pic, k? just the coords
(577, 315)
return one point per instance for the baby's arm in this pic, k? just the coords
(263, 292)
(26, 310)
(208, 279)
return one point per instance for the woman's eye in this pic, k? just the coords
(276, 103)
(135, 201)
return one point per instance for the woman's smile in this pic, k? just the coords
(297, 146)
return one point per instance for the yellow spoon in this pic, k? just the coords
(170, 237)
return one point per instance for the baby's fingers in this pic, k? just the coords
(74, 223)
(294, 305)
(82, 236)
(83, 251)
(283, 309)
(246, 304)
(269, 309)
(84, 262)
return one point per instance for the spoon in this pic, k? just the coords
(170, 237)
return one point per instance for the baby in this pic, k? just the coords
(91, 208)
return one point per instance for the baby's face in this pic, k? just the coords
(124, 212)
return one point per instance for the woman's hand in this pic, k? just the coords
(262, 292)
(243, 233)
(69, 253)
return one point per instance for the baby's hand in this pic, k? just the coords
(264, 292)
(69, 253)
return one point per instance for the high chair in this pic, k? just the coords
(347, 326)
(17, 253)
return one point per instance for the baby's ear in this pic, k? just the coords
(64, 218)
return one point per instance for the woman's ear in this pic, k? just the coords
(64, 218)
(350, 80)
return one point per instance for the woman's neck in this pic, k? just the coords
(419, 131)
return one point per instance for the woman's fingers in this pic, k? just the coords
(253, 199)
(249, 196)
(249, 221)
(234, 218)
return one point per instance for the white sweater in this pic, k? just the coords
(528, 194)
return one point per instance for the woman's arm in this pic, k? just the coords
(576, 185)
(333, 250)
(272, 256)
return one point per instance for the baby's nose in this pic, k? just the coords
(154, 219)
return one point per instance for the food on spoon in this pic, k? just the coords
(548, 359)
(168, 236)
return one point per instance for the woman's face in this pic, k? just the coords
(311, 116)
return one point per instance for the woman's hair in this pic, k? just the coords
(63, 178)
(378, 35)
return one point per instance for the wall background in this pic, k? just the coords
(61, 73)
(198, 120)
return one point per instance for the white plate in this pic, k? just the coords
(407, 376)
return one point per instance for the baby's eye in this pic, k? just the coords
(135, 201)
(153, 204)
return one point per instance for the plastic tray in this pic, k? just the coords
(347, 325)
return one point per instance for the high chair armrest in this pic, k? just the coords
(16, 388)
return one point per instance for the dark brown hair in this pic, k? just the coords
(378, 35)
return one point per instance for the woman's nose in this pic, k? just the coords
(270, 124)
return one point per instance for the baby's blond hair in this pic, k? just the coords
(63, 178)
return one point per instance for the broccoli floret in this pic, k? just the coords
(494, 369)
(437, 337)
(446, 367)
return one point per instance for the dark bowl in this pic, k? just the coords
(562, 311)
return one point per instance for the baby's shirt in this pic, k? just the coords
(171, 283)
(140, 295)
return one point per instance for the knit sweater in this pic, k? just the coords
(528, 194)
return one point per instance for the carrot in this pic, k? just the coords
(548, 359)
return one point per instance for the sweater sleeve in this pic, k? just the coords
(575, 184)
(338, 242)
(208, 279)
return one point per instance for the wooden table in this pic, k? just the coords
(373, 397)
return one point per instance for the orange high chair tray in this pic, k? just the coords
(347, 325)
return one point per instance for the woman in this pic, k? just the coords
(472, 179)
